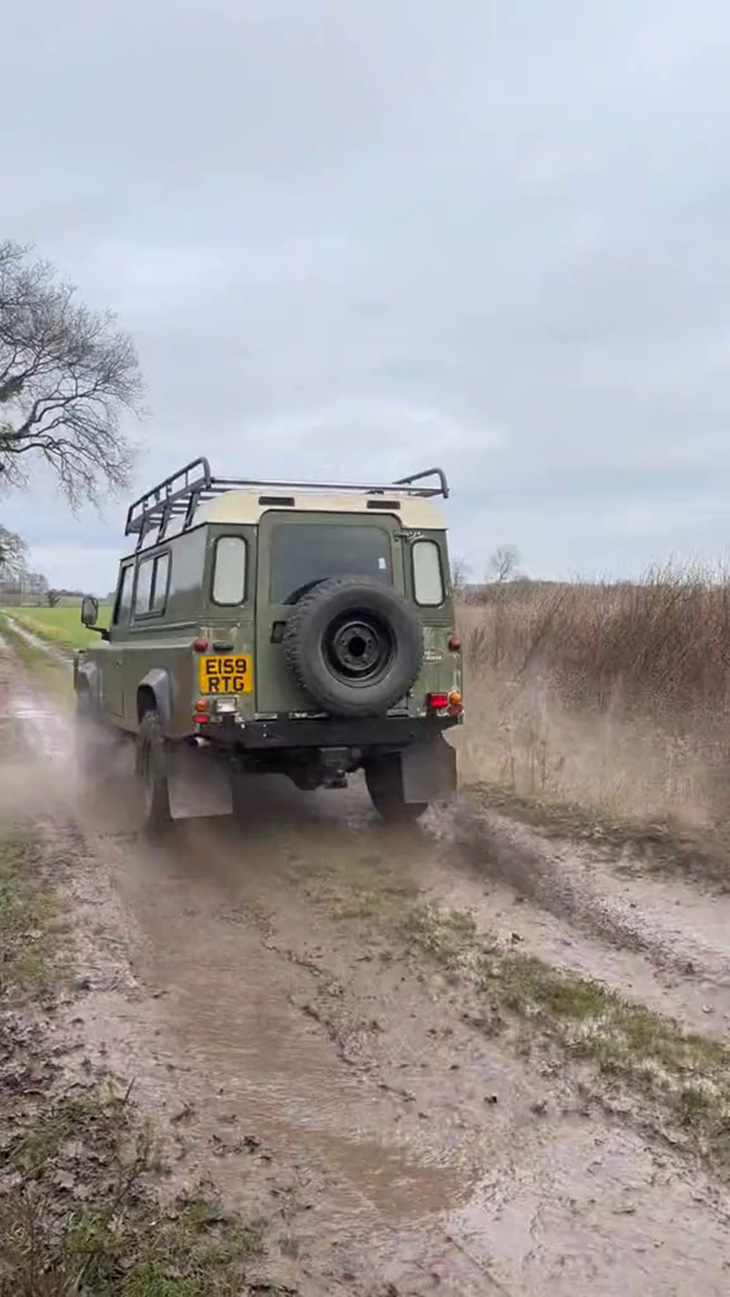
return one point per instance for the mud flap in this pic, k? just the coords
(429, 771)
(198, 785)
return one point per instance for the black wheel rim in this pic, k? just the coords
(358, 648)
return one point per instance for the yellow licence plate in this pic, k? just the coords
(226, 675)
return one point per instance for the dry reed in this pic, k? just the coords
(615, 696)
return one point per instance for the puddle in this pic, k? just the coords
(45, 732)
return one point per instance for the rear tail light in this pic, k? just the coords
(437, 702)
(201, 645)
(454, 643)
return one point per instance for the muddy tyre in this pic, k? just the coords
(354, 645)
(153, 774)
(384, 779)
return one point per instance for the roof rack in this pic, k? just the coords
(180, 494)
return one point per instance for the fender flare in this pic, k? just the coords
(159, 683)
(87, 679)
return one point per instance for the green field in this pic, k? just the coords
(60, 626)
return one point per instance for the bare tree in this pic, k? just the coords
(502, 568)
(459, 574)
(53, 598)
(13, 551)
(504, 564)
(67, 375)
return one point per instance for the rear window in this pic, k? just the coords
(302, 554)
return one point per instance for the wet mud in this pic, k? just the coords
(318, 1078)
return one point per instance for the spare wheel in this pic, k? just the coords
(355, 645)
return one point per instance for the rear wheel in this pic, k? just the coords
(153, 774)
(384, 779)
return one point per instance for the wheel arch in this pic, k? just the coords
(155, 692)
(87, 680)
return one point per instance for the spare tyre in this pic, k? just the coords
(355, 646)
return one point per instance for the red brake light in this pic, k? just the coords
(454, 643)
(201, 645)
(437, 702)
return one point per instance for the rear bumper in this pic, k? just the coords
(393, 732)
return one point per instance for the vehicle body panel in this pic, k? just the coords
(166, 618)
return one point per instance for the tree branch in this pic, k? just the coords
(63, 369)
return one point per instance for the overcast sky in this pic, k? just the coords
(357, 239)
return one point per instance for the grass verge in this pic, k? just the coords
(79, 1214)
(80, 1210)
(681, 1080)
(52, 673)
(61, 627)
(28, 948)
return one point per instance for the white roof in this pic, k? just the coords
(245, 507)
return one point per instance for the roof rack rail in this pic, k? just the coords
(182, 492)
(173, 495)
(441, 489)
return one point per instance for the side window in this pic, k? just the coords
(428, 580)
(229, 571)
(151, 593)
(143, 593)
(123, 602)
(159, 591)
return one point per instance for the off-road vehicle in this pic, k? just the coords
(297, 628)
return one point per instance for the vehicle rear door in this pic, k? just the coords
(295, 552)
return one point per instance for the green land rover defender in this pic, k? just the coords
(295, 628)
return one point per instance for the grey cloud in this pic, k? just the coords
(351, 239)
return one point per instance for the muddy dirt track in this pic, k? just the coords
(351, 1094)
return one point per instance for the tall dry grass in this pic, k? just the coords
(615, 696)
